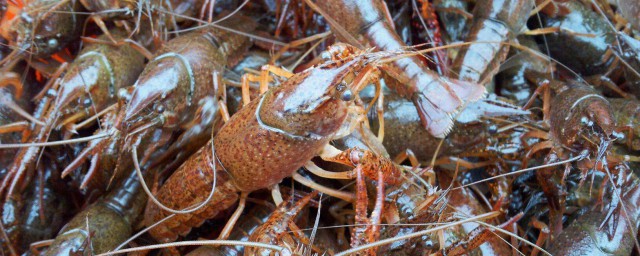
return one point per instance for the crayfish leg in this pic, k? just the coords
(132, 43)
(226, 231)
(407, 154)
(604, 81)
(358, 234)
(544, 91)
(542, 238)
(534, 149)
(463, 163)
(349, 197)
(12, 78)
(34, 247)
(210, 4)
(263, 79)
(476, 237)
(93, 169)
(14, 127)
(53, 82)
(9, 103)
(556, 197)
(100, 23)
(264, 75)
(367, 229)
(246, 95)
(376, 214)
(313, 168)
(73, 128)
(272, 230)
(276, 194)
(371, 162)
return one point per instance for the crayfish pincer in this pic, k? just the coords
(42, 28)
(102, 226)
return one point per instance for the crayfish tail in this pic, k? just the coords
(438, 110)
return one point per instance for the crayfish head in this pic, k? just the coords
(314, 102)
(143, 101)
(44, 30)
(579, 110)
(159, 95)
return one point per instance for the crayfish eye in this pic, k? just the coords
(87, 103)
(584, 120)
(347, 95)
(159, 108)
(493, 129)
(344, 91)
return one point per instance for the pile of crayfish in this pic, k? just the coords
(319, 127)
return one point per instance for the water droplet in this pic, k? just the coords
(584, 120)
(124, 94)
(52, 93)
(52, 43)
